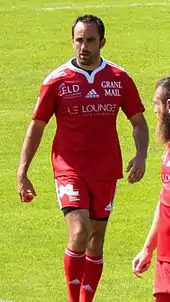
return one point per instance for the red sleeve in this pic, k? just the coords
(46, 103)
(132, 103)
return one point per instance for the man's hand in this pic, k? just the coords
(25, 189)
(136, 169)
(29, 149)
(141, 262)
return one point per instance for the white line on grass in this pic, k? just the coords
(73, 7)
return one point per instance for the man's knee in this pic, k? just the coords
(79, 237)
(78, 227)
(95, 244)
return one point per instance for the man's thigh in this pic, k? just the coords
(102, 199)
(162, 281)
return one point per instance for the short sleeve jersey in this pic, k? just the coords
(86, 107)
(163, 250)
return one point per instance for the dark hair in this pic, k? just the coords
(165, 84)
(90, 19)
(163, 126)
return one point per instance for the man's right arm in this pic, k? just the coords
(142, 261)
(29, 148)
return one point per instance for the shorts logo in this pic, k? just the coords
(68, 190)
(109, 207)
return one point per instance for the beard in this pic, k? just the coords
(88, 60)
(163, 128)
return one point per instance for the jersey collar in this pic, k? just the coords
(89, 77)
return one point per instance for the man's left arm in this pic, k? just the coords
(136, 166)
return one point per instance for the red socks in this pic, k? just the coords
(84, 272)
(91, 277)
(74, 268)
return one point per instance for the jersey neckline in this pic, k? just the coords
(89, 77)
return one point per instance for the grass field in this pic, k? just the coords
(34, 41)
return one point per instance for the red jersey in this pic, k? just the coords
(86, 107)
(163, 252)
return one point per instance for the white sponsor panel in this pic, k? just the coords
(69, 191)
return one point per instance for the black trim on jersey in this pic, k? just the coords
(68, 210)
(74, 62)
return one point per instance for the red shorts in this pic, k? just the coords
(162, 282)
(162, 298)
(95, 196)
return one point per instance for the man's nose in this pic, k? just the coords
(84, 45)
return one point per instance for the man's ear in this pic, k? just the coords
(102, 43)
(168, 105)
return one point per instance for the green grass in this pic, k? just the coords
(33, 236)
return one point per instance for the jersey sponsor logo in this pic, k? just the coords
(92, 94)
(112, 88)
(74, 110)
(72, 90)
(68, 190)
(92, 109)
(165, 178)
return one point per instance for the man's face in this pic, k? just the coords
(87, 44)
(162, 110)
(159, 106)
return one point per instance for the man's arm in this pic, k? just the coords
(136, 166)
(29, 148)
(143, 259)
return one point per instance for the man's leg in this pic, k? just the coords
(94, 260)
(162, 282)
(74, 258)
(73, 197)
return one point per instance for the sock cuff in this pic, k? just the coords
(74, 254)
(97, 260)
